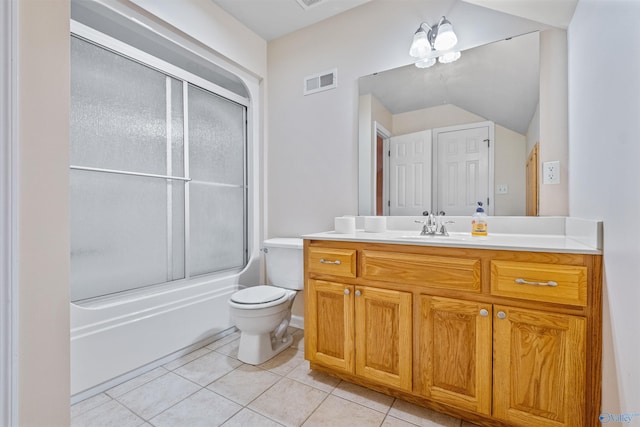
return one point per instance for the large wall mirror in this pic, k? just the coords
(442, 138)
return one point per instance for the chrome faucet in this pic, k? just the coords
(433, 225)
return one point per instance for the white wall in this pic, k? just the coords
(42, 212)
(553, 116)
(510, 159)
(604, 106)
(533, 132)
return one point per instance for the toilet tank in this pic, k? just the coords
(284, 262)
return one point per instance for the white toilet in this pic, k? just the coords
(262, 313)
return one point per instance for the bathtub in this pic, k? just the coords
(115, 338)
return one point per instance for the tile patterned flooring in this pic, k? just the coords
(211, 387)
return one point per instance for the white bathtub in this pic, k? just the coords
(114, 338)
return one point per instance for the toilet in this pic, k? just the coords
(262, 313)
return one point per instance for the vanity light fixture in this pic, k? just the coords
(431, 42)
(449, 57)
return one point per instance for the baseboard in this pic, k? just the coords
(297, 322)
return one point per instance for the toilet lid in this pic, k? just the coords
(258, 295)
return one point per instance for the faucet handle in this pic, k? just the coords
(443, 228)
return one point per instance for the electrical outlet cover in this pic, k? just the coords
(551, 172)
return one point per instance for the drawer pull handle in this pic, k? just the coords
(525, 282)
(358, 293)
(347, 291)
(324, 261)
(502, 315)
(484, 312)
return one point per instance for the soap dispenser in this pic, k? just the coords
(479, 222)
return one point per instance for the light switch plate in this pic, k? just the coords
(502, 189)
(551, 172)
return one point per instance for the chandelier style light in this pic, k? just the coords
(431, 42)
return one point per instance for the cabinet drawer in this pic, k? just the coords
(420, 269)
(336, 262)
(564, 284)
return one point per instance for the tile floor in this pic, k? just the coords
(210, 387)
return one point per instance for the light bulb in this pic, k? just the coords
(449, 57)
(420, 46)
(446, 38)
(426, 63)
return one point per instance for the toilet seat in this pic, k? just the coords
(259, 296)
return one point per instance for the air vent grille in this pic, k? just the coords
(321, 81)
(306, 4)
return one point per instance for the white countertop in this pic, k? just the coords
(536, 242)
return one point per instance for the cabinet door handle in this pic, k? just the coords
(484, 312)
(502, 315)
(347, 291)
(324, 261)
(358, 293)
(526, 282)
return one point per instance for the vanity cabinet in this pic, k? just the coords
(496, 337)
(539, 367)
(454, 347)
(360, 330)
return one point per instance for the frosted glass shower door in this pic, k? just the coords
(158, 175)
(217, 189)
(126, 120)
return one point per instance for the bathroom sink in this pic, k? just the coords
(437, 238)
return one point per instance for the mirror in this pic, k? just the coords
(497, 85)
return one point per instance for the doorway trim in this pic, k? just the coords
(491, 190)
(8, 176)
(379, 130)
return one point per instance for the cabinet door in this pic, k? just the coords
(539, 368)
(383, 336)
(455, 352)
(329, 324)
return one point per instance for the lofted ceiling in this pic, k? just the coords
(271, 19)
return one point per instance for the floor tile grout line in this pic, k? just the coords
(280, 376)
(314, 411)
(139, 385)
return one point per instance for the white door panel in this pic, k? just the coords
(410, 173)
(462, 169)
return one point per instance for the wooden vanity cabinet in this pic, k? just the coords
(479, 334)
(454, 352)
(539, 368)
(360, 330)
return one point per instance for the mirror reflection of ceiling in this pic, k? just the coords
(499, 81)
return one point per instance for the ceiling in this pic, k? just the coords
(271, 19)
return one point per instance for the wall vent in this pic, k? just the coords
(321, 81)
(306, 4)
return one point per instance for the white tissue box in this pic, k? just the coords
(345, 224)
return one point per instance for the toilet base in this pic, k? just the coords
(256, 349)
